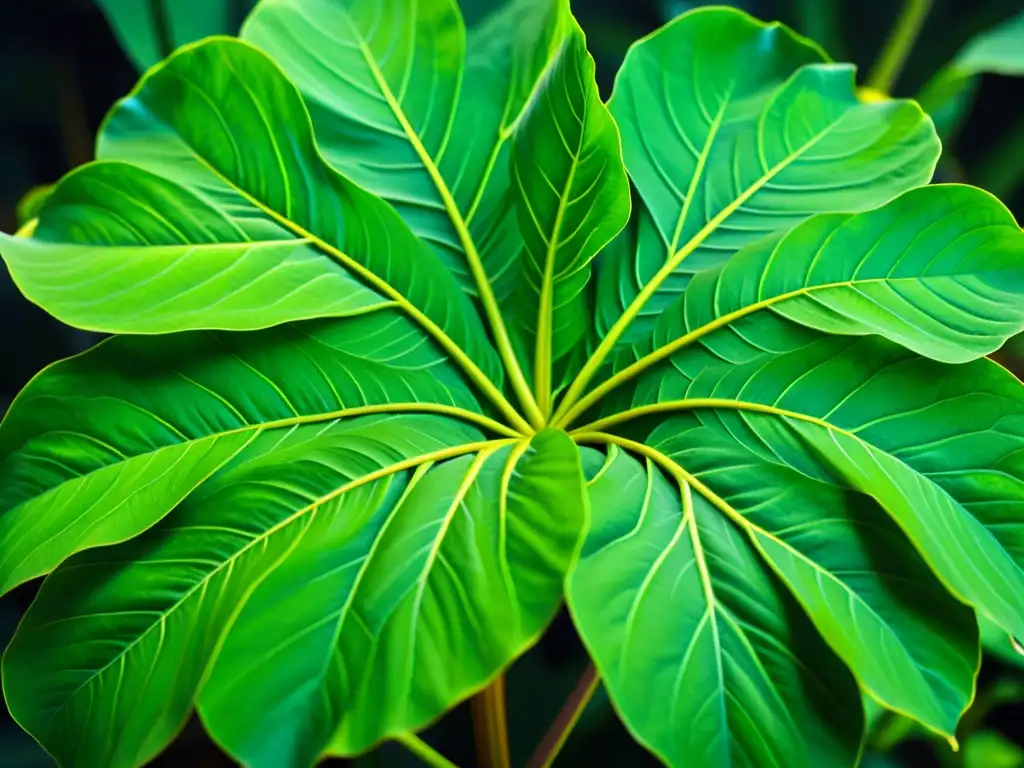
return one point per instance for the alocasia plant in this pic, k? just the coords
(406, 359)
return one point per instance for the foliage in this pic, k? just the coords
(358, 435)
(948, 94)
(148, 30)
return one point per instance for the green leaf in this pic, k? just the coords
(416, 111)
(937, 448)
(938, 270)
(187, 122)
(411, 107)
(118, 228)
(705, 656)
(99, 447)
(573, 198)
(137, 24)
(949, 93)
(31, 202)
(419, 536)
(911, 645)
(733, 129)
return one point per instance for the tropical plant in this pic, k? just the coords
(417, 339)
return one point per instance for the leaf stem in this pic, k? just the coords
(161, 27)
(424, 751)
(490, 728)
(897, 48)
(566, 720)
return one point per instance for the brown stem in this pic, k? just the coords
(568, 716)
(490, 729)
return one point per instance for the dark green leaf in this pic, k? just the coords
(139, 31)
(729, 135)
(573, 198)
(706, 657)
(333, 585)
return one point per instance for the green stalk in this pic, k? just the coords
(818, 20)
(162, 27)
(568, 716)
(424, 751)
(897, 48)
(490, 729)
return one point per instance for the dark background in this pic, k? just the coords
(61, 67)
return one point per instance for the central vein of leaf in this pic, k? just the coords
(473, 259)
(545, 312)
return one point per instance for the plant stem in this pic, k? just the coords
(818, 20)
(490, 729)
(901, 40)
(424, 751)
(162, 27)
(568, 716)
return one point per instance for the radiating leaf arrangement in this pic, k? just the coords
(406, 359)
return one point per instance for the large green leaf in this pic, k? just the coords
(333, 585)
(243, 193)
(733, 129)
(99, 447)
(117, 228)
(939, 270)
(298, 496)
(708, 659)
(947, 96)
(573, 198)
(783, 438)
(409, 106)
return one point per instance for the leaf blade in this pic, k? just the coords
(743, 163)
(569, 209)
(99, 431)
(744, 699)
(213, 557)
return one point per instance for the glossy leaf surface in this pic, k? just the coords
(707, 656)
(733, 129)
(412, 107)
(572, 197)
(379, 511)
(333, 477)
(99, 447)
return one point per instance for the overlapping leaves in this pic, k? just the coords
(361, 436)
